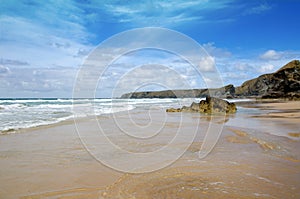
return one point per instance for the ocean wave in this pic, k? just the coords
(12, 106)
(55, 106)
(22, 114)
(113, 110)
(26, 113)
(14, 128)
(25, 100)
(240, 100)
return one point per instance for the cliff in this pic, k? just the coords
(224, 92)
(284, 83)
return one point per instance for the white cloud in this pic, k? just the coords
(241, 66)
(207, 64)
(216, 52)
(234, 76)
(4, 70)
(271, 55)
(37, 82)
(146, 76)
(37, 37)
(267, 68)
(207, 80)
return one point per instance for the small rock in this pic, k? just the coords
(173, 110)
(209, 106)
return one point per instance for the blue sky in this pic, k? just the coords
(44, 43)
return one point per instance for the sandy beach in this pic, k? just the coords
(150, 99)
(257, 156)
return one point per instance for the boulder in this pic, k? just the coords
(210, 105)
(216, 105)
(174, 110)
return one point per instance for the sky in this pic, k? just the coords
(43, 44)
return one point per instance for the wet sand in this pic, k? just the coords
(257, 156)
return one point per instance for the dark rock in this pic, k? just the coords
(284, 83)
(224, 92)
(216, 105)
(210, 105)
(174, 110)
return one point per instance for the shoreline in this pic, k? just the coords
(276, 110)
(247, 102)
(50, 161)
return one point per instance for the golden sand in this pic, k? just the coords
(238, 132)
(172, 184)
(237, 139)
(294, 134)
(47, 163)
(246, 139)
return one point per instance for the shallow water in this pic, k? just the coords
(247, 161)
(16, 114)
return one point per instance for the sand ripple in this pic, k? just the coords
(172, 184)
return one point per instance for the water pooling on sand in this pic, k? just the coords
(246, 162)
(25, 113)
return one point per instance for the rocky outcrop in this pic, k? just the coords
(210, 105)
(224, 92)
(284, 83)
(153, 94)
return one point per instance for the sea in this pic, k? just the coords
(23, 113)
(16, 114)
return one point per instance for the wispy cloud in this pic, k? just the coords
(258, 9)
(163, 13)
(61, 18)
(43, 43)
(37, 45)
(11, 62)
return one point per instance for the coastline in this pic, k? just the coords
(50, 161)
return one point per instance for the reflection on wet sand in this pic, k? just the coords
(218, 119)
(168, 184)
(294, 134)
(78, 193)
(245, 163)
(227, 173)
(258, 165)
(263, 144)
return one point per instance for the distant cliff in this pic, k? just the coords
(224, 92)
(284, 83)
